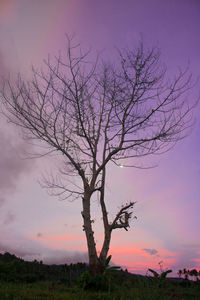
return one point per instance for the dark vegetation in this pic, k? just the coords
(13, 269)
(34, 280)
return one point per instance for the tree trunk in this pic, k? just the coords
(96, 264)
(87, 227)
(107, 227)
(105, 247)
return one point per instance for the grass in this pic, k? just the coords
(136, 288)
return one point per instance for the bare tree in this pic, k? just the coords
(96, 114)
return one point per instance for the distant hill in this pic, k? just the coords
(7, 257)
(16, 269)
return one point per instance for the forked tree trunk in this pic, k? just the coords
(87, 227)
(96, 264)
(105, 248)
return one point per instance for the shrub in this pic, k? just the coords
(86, 281)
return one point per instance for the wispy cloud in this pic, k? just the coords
(39, 234)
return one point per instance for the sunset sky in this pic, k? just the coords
(34, 225)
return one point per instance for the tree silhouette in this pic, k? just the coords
(194, 273)
(180, 272)
(96, 114)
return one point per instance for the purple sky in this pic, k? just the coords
(35, 225)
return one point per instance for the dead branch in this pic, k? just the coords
(123, 217)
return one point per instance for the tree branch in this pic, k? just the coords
(123, 217)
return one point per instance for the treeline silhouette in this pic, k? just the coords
(14, 269)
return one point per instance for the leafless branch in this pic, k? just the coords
(123, 217)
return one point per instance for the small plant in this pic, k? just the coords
(88, 282)
(109, 270)
(108, 267)
(99, 282)
(162, 276)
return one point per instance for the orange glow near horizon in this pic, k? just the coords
(136, 259)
